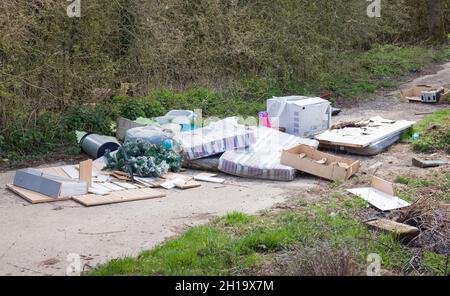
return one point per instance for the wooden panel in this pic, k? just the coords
(86, 171)
(71, 171)
(188, 184)
(358, 137)
(33, 197)
(118, 196)
(393, 227)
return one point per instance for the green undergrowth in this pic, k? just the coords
(356, 75)
(438, 184)
(433, 131)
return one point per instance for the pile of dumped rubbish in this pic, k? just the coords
(149, 153)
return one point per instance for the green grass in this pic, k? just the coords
(237, 243)
(434, 133)
(438, 183)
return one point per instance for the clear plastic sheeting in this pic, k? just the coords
(262, 160)
(148, 134)
(216, 138)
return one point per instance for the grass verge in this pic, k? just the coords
(433, 131)
(238, 244)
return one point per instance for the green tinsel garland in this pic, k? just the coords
(147, 160)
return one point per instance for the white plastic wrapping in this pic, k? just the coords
(149, 134)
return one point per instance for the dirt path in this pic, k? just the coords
(36, 239)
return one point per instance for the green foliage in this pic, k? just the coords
(34, 135)
(436, 264)
(438, 183)
(236, 218)
(146, 160)
(134, 107)
(89, 119)
(415, 181)
(434, 132)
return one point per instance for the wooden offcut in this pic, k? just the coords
(399, 229)
(34, 197)
(187, 184)
(89, 200)
(86, 171)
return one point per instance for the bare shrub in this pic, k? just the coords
(325, 259)
(428, 214)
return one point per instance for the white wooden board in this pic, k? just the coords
(118, 197)
(378, 129)
(208, 179)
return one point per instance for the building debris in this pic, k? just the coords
(368, 139)
(421, 163)
(424, 94)
(206, 178)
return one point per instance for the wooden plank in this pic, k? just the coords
(396, 228)
(85, 170)
(34, 197)
(125, 185)
(118, 197)
(171, 176)
(209, 179)
(71, 171)
(187, 184)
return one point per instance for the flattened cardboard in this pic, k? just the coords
(380, 195)
(309, 160)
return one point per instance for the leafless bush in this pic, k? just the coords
(49, 61)
(428, 214)
(325, 259)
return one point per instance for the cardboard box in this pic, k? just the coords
(314, 162)
(414, 94)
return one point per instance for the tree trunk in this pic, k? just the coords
(436, 22)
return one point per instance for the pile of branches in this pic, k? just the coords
(432, 218)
